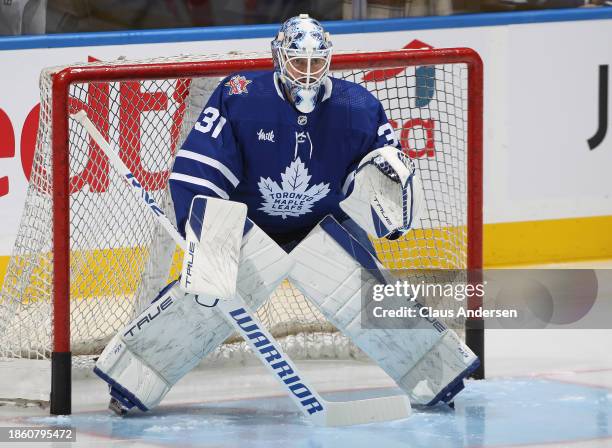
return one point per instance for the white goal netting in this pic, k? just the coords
(120, 258)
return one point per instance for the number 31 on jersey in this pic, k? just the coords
(387, 130)
(206, 123)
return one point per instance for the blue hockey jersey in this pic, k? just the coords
(291, 169)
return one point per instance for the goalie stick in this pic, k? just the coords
(265, 347)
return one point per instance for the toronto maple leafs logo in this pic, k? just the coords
(238, 84)
(293, 197)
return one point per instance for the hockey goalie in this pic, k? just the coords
(320, 170)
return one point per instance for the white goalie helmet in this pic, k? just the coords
(302, 54)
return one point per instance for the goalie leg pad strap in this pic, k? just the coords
(171, 336)
(427, 361)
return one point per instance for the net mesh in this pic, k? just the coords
(120, 258)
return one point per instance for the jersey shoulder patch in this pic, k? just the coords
(237, 85)
(248, 84)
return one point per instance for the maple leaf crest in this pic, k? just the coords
(293, 197)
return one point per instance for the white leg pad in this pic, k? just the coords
(427, 362)
(147, 357)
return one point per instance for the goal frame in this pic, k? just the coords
(60, 399)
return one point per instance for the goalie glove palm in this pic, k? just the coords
(386, 194)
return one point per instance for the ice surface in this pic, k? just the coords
(545, 388)
(497, 412)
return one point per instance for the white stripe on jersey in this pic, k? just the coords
(347, 183)
(276, 86)
(198, 181)
(327, 85)
(210, 162)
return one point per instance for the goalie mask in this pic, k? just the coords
(386, 194)
(302, 53)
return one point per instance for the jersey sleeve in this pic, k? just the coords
(381, 133)
(209, 161)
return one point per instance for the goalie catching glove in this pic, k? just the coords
(386, 194)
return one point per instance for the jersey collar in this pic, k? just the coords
(327, 88)
(277, 86)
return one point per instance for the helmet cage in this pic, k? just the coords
(304, 69)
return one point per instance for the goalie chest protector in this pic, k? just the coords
(252, 146)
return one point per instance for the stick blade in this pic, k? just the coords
(359, 412)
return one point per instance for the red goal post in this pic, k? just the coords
(62, 81)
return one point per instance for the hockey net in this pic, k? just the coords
(92, 262)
